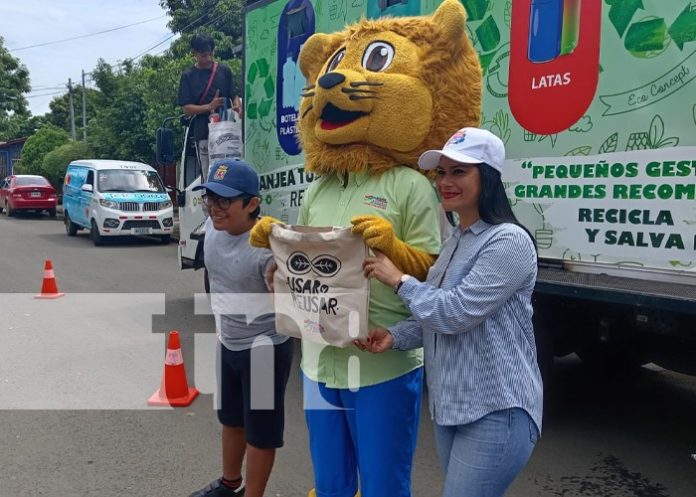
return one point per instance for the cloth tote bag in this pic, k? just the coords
(321, 293)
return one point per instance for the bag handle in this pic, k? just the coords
(210, 83)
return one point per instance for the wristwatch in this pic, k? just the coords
(404, 278)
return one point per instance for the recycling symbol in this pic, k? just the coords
(260, 89)
(650, 36)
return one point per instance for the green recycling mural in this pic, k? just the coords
(614, 188)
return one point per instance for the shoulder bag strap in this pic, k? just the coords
(210, 83)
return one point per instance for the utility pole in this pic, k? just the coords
(84, 109)
(72, 111)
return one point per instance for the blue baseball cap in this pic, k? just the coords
(231, 178)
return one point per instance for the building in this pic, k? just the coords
(9, 155)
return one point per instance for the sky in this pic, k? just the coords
(32, 22)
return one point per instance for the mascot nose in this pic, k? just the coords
(331, 79)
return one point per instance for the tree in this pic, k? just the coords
(221, 16)
(19, 126)
(14, 82)
(56, 161)
(47, 138)
(59, 114)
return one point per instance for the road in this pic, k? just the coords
(75, 374)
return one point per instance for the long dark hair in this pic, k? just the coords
(493, 204)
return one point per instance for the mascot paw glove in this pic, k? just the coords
(378, 234)
(261, 231)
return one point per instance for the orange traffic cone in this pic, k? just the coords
(174, 390)
(49, 288)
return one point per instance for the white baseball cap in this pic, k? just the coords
(468, 145)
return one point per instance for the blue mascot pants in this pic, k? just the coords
(368, 434)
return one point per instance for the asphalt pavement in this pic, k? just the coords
(75, 375)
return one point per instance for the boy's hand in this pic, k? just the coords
(272, 268)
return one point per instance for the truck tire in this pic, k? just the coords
(70, 227)
(97, 239)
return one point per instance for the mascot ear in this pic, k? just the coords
(315, 52)
(450, 17)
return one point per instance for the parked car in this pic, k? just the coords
(27, 193)
(116, 198)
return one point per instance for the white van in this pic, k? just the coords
(116, 198)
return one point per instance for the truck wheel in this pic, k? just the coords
(97, 239)
(70, 227)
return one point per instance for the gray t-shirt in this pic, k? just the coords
(235, 267)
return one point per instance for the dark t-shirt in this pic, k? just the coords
(193, 82)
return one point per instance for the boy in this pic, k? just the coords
(234, 267)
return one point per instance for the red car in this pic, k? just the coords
(28, 193)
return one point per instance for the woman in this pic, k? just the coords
(473, 317)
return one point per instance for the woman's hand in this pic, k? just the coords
(381, 268)
(378, 341)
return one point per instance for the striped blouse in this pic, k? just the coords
(473, 317)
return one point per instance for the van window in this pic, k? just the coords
(90, 178)
(121, 180)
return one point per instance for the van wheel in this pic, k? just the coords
(97, 239)
(165, 239)
(70, 227)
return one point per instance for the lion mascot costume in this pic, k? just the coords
(378, 94)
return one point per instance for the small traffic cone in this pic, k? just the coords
(174, 390)
(49, 287)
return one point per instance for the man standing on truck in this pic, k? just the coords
(202, 90)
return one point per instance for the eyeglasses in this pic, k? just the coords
(220, 202)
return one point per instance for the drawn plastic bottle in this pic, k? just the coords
(296, 25)
(545, 29)
(571, 26)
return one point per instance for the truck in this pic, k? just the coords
(596, 103)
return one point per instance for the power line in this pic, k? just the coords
(84, 36)
(167, 38)
(181, 30)
(47, 94)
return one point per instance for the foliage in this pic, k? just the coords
(56, 161)
(60, 109)
(223, 19)
(132, 99)
(19, 126)
(47, 138)
(14, 81)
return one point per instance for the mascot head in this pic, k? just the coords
(382, 91)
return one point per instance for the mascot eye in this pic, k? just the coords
(336, 59)
(378, 56)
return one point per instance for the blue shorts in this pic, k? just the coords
(370, 434)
